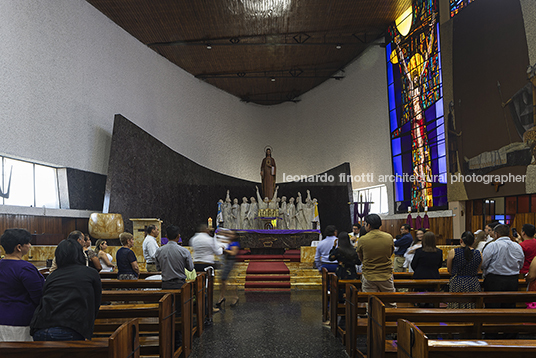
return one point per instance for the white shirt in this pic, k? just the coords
(106, 268)
(483, 243)
(149, 249)
(205, 247)
(503, 257)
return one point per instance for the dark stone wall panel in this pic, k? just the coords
(86, 189)
(147, 179)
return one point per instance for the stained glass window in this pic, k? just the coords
(416, 109)
(457, 5)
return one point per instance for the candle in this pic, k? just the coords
(426, 208)
(210, 223)
(409, 209)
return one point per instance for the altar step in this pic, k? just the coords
(267, 275)
(302, 276)
(289, 255)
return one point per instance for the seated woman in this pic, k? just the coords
(71, 297)
(105, 258)
(21, 287)
(92, 258)
(463, 264)
(127, 263)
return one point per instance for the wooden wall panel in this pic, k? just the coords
(442, 227)
(43, 224)
(522, 219)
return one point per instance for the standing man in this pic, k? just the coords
(323, 249)
(501, 261)
(375, 250)
(402, 246)
(488, 229)
(172, 259)
(528, 245)
(149, 247)
(205, 247)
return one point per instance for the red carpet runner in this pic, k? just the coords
(267, 276)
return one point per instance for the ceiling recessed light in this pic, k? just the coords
(273, 79)
(338, 47)
(209, 47)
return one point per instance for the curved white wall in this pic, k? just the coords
(66, 70)
(338, 121)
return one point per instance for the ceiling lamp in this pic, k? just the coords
(404, 21)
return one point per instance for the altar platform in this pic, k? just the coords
(275, 242)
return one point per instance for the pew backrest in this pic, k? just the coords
(123, 343)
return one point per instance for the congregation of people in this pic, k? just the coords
(494, 255)
(65, 305)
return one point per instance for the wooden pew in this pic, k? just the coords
(325, 295)
(158, 317)
(338, 287)
(123, 343)
(413, 343)
(157, 322)
(325, 286)
(142, 276)
(355, 306)
(378, 346)
(337, 309)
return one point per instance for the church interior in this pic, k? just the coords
(122, 114)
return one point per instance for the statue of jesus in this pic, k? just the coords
(268, 175)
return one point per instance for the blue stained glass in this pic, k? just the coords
(406, 163)
(399, 191)
(442, 165)
(391, 97)
(397, 165)
(435, 169)
(439, 108)
(406, 127)
(388, 53)
(406, 142)
(440, 89)
(443, 178)
(441, 137)
(440, 121)
(393, 119)
(441, 150)
(439, 190)
(395, 143)
(433, 149)
(440, 130)
(432, 135)
(440, 201)
(430, 112)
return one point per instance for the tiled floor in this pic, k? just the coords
(269, 325)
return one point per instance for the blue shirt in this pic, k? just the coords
(502, 257)
(124, 258)
(403, 244)
(322, 251)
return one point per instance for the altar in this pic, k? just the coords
(276, 241)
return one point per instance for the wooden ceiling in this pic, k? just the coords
(262, 51)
